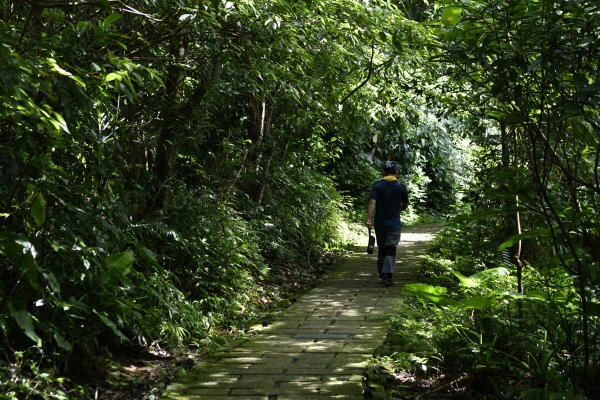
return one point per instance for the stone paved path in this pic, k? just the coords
(321, 344)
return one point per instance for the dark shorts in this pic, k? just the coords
(387, 242)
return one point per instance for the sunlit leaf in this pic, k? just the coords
(536, 295)
(113, 76)
(121, 262)
(435, 294)
(478, 302)
(38, 209)
(490, 273)
(451, 15)
(55, 67)
(466, 281)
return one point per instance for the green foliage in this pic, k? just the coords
(156, 188)
(354, 178)
(210, 253)
(476, 323)
(313, 224)
(537, 84)
(24, 379)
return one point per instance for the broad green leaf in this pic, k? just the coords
(113, 76)
(62, 342)
(56, 68)
(38, 209)
(58, 122)
(451, 15)
(31, 270)
(435, 294)
(478, 302)
(121, 262)
(537, 295)
(113, 327)
(52, 282)
(147, 255)
(510, 242)
(466, 281)
(25, 322)
(22, 253)
(112, 18)
(81, 25)
(78, 80)
(478, 278)
(490, 273)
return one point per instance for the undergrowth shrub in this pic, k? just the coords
(81, 289)
(210, 252)
(300, 217)
(91, 279)
(465, 317)
(82, 276)
(354, 177)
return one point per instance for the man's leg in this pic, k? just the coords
(380, 237)
(388, 264)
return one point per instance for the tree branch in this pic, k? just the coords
(363, 83)
(59, 4)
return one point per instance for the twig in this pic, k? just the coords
(437, 389)
(55, 4)
(124, 7)
(363, 83)
(132, 10)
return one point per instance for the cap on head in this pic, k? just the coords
(389, 167)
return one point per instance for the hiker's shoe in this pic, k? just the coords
(387, 279)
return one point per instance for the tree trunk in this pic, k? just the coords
(518, 246)
(165, 147)
(510, 164)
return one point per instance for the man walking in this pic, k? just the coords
(388, 197)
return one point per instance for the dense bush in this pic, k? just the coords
(465, 319)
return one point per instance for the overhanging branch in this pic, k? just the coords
(59, 4)
(372, 68)
(363, 83)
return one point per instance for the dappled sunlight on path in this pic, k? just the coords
(320, 346)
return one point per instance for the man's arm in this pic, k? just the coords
(370, 210)
(404, 200)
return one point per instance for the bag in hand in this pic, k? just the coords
(371, 245)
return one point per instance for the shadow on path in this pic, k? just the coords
(320, 346)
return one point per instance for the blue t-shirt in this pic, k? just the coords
(389, 196)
